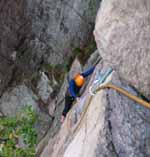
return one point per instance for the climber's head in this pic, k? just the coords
(79, 80)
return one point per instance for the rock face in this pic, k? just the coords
(39, 31)
(14, 34)
(45, 31)
(112, 125)
(75, 68)
(43, 87)
(59, 26)
(122, 36)
(15, 99)
(56, 107)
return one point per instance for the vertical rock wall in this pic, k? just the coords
(41, 31)
(60, 26)
(109, 125)
(14, 34)
(122, 33)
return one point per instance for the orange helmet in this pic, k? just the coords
(79, 80)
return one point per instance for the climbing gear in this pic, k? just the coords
(78, 125)
(93, 90)
(126, 93)
(118, 89)
(103, 76)
(100, 78)
(79, 80)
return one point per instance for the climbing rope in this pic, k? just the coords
(78, 125)
(126, 93)
(118, 89)
(68, 118)
(94, 90)
(100, 77)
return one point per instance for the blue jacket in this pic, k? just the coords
(73, 88)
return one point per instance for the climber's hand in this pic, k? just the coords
(62, 119)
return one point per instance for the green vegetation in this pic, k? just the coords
(15, 129)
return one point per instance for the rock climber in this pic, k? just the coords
(72, 93)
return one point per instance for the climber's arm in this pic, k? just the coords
(88, 72)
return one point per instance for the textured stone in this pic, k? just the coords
(52, 107)
(14, 34)
(59, 26)
(122, 36)
(76, 68)
(93, 59)
(38, 31)
(13, 100)
(55, 109)
(112, 126)
(43, 87)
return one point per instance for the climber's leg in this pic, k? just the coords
(68, 104)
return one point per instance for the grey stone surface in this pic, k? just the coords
(93, 59)
(55, 109)
(41, 31)
(122, 36)
(16, 98)
(59, 26)
(75, 68)
(113, 126)
(14, 34)
(13, 100)
(43, 88)
(127, 126)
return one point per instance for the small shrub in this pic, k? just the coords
(18, 127)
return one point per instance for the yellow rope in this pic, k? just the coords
(82, 115)
(118, 89)
(124, 92)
